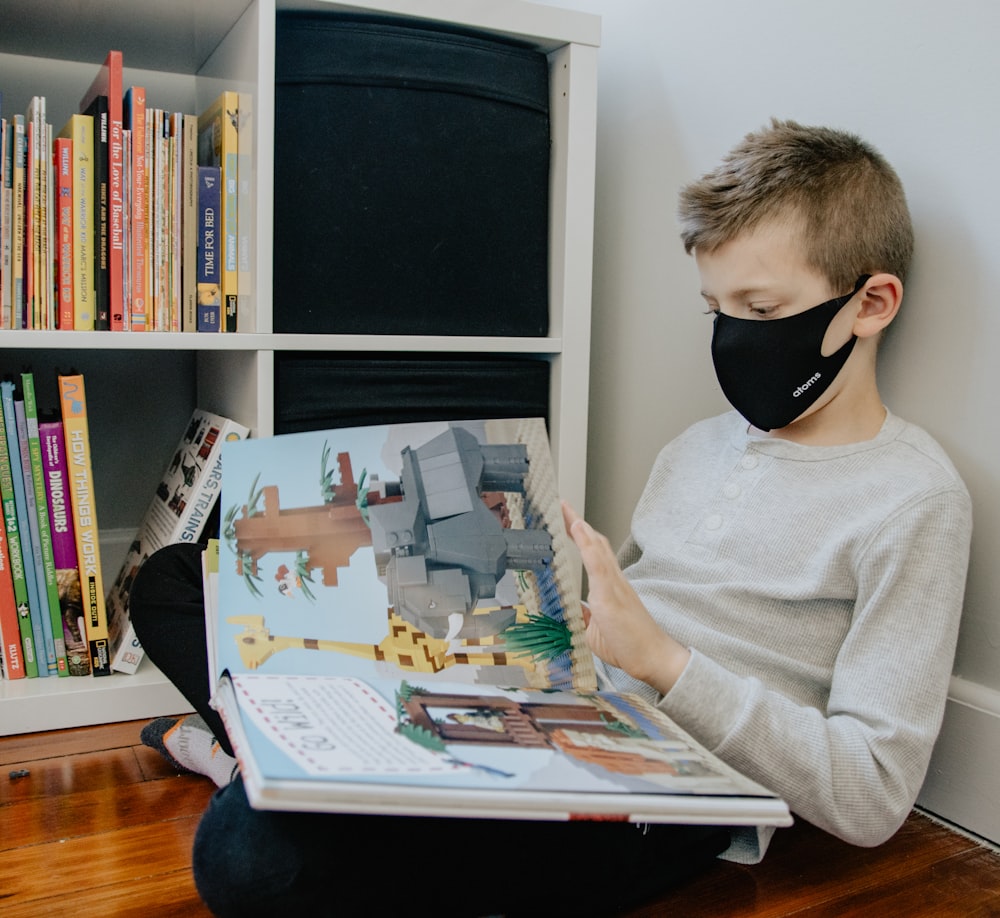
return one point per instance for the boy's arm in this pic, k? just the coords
(855, 768)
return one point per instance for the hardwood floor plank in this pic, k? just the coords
(37, 877)
(54, 743)
(38, 820)
(58, 777)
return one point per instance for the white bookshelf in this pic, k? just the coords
(141, 387)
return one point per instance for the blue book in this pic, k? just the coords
(210, 254)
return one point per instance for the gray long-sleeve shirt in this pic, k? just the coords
(820, 591)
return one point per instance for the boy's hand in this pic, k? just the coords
(620, 629)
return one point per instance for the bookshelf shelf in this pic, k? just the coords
(147, 384)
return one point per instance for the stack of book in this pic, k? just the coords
(100, 219)
(55, 617)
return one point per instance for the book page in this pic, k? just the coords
(430, 550)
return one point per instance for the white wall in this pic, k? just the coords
(680, 83)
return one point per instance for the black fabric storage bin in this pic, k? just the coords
(410, 180)
(318, 392)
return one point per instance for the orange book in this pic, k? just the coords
(73, 404)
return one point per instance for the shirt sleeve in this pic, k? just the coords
(855, 768)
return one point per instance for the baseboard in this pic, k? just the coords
(961, 785)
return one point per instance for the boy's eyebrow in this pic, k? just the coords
(746, 293)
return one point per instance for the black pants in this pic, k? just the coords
(253, 862)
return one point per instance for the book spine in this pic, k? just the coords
(17, 224)
(98, 110)
(209, 275)
(30, 223)
(47, 579)
(108, 83)
(63, 156)
(11, 657)
(12, 527)
(54, 463)
(187, 493)
(73, 405)
(41, 602)
(245, 212)
(7, 207)
(18, 452)
(189, 223)
(134, 120)
(218, 145)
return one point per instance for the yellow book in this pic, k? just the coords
(80, 129)
(218, 145)
(73, 404)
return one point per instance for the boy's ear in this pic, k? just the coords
(879, 303)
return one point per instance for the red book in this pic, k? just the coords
(134, 120)
(108, 82)
(62, 161)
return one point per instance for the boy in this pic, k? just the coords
(791, 588)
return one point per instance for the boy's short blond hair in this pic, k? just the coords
(851, 201)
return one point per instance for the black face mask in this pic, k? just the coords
(773, 370)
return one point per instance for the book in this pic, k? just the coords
(185, 497)
(80, 129)
(395, 627)
(62, 156)
(245, 211)
(189, 222)
(209, 257)
(19, 147)
(134, 121)
(14, 552)
(101, 166)
(11, 655)
(48, 585)
(7, 212)
(76, 429)
(12, 663)
(108, 84)
(53, 446)
(218, 145)
(11, 399)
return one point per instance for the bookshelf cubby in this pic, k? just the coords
(141, 387)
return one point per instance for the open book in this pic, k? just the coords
(395, 627)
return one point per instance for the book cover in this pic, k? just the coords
(73, 408)
(134, 121)
(108, 84)
(98, 110)
(80, 129)
(12, 527)
(397, 628)
(17, 450)
(209, 255)
(47, 582)
(185, 497)
(53, 444)
(62, 156)
(218, 145)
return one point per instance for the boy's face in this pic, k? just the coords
(763, 276)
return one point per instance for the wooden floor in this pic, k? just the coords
(101, 826)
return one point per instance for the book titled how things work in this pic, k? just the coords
(394, 626)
